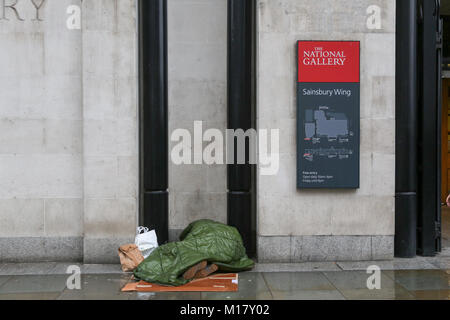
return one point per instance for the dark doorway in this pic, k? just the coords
(445, 140)
(445, 190)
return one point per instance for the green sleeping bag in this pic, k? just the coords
(202, 240)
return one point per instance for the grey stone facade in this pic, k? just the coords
(325, 248)
(197, 92)
(327, 224)
(68, 127)
(69, 153)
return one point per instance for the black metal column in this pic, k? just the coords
(406, 129)
(153, 95)
(242, 115)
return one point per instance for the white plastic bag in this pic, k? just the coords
(146, 241)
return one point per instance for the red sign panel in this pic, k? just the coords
(328, 61)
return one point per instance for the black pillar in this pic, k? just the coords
(406, 129)
(242, 115)
(153, 98)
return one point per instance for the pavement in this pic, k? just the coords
(401, 279)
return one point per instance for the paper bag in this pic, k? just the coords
(130, 257)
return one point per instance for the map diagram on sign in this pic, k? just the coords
(324, 126)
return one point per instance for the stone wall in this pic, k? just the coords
(197, 92)
(41, 145)
(329, 224)
(68, 123)
(68, 131)
(110, 127)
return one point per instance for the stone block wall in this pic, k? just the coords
(68, 130)
(327, 224)
(197, 92)
(69, 154)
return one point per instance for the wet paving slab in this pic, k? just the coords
(252, 286)
(301, 286)
(348, 280)
(353, 285)
(419, 280)
(431, 294)
(165, 296)
(308, 295)
(33, 284)
(94, 287)
(397, 293)
(296, 267)
(328, 285)
(397, 264)
(29, 296)
(296, 281)
(3, 279)
(57, 268)
(441, 263)
(20, 269)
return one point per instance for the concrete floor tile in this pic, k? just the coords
(3, 279)
(29, 296)
(445, 252)
(61, 268)
(289, 282)
(395, 285)
(83, 295)
(296, 267)
(102, 269)
(21, 269)
(34, 284)
(397, 293)
(349, 280)
(308, 295)
(165, 296)
(397, 264)
(432, 294)
(106, 283)
(442, 263)
(237, 296)
(414, 280)
(252, 286)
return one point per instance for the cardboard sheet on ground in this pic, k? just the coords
(215, 283)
